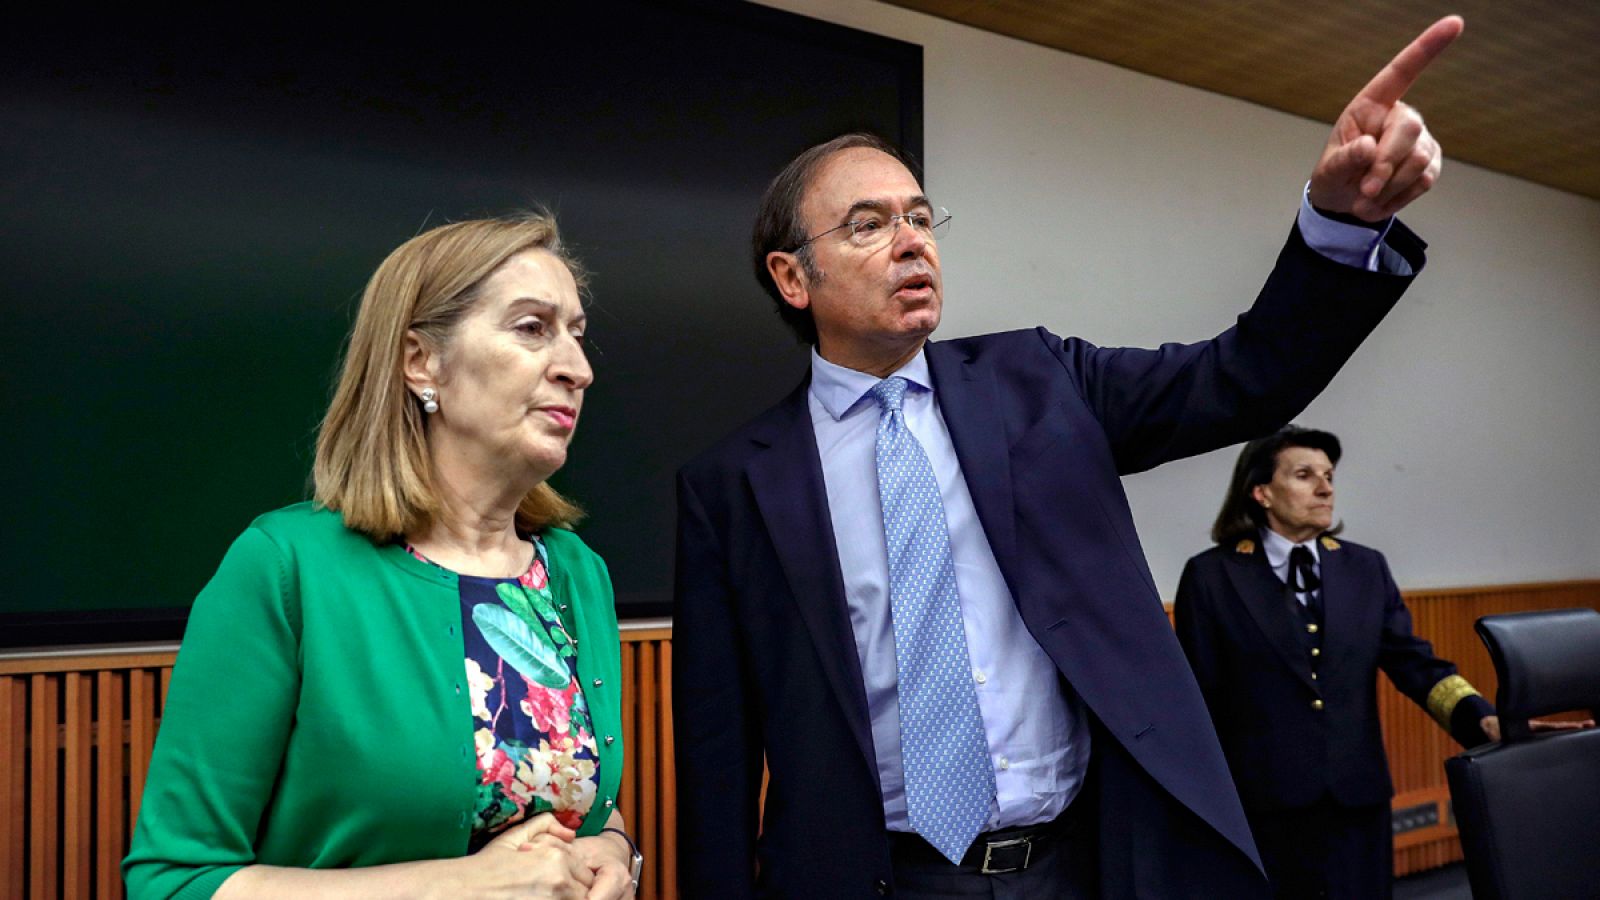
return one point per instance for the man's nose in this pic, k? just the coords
(909, 241)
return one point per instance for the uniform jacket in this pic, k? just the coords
(765, 664)
(1291, 738)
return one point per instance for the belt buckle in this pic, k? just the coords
(988, 854)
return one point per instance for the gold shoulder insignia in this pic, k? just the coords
(1245, 546)
(1329, 543)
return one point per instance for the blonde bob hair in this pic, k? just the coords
(372, 462)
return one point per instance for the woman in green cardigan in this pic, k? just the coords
(411, 686)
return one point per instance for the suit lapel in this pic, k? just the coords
(970, 402)
(1262, 595)
(786, 479)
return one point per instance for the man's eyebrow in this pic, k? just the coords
(876, 205)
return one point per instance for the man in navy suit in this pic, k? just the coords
(913, 588)
(1286, 628)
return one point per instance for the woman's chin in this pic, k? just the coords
(545, 460)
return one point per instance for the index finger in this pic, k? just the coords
(1393, 80)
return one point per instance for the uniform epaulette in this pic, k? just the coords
(1245, 546)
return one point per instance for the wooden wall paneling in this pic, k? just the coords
(44, 809)
(66, 779)
(667, 860)
(77, 785)
(646, 759)
(89, 660)
(89, 722)
(110, 783)
(1417, 747)
(13, 783)
(632, 786)
(141, 735)
(647, 705)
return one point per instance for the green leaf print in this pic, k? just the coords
(542, 602)
(528, 652)
(515, 597)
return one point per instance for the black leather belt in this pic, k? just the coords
(993, 852)
(1001, 855)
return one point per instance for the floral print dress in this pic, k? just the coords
(536, 747)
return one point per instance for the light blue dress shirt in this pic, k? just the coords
(1038, 739)
(1036, 727)
(1353, 245)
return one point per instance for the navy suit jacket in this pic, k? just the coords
(1243, 640)
(765, 665)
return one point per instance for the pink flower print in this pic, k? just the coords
(520, 795)
(533, 774)
(532, 783)
(570, 787)
(498, 769)
(574, 783)
(570, 818)
(550, 711)
(536, 577)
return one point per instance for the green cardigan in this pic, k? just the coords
(317, 718)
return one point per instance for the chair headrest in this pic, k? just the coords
(1547, 661)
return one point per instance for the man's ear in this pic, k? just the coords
(420, 362)
(790, 277)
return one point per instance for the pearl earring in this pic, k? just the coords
(430, 400)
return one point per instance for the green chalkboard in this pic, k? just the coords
(190, 207)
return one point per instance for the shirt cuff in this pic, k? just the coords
(1353, 245)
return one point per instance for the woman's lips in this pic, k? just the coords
(564, 416)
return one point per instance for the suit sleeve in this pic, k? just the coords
(716, 732)
(1429, 681)
(223, 730)
(1182, 399)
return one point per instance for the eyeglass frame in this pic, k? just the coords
(939, 215)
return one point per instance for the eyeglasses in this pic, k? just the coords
(872, 229)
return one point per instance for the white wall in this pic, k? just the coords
(1130, 210)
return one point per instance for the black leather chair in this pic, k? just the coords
(1528, 807)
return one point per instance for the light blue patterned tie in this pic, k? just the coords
(948, 776)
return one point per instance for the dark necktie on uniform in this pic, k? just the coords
(1303, 578)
